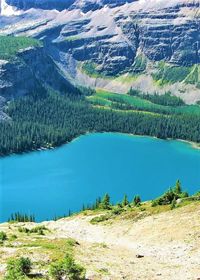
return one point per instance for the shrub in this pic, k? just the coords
(170, 196)
(197, 193)
(100, 218)
(13, 237)
(25, 265)
(154, 202)
(165, 199)
(3, 236)
(71, 242)
(67, 268)
(18, 269)
(23, 230)
(173, 204)
(184, 194)
(137, 200)
(117, 210)
(39, 230)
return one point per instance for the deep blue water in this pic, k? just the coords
(49, 183)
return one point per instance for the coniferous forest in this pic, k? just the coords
(51, 119)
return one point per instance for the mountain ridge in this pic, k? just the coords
(151, 41)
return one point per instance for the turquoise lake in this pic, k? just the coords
(49, 183)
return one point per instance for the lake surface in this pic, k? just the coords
(49, 183)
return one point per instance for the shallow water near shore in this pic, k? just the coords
(49, 183)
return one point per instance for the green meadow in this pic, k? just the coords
(127, 102)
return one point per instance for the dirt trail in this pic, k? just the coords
(169, 242)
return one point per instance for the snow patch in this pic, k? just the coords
(159, 4)
(7, 10)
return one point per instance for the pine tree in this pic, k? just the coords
(125, 201)
(105, 204)
(178, 189)
(98, 202)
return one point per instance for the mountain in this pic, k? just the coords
(29, 72)
(153, 46)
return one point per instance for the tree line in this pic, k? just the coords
(51, 119)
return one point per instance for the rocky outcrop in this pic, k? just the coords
(87, 5)
(41, 4)
(111, 35)
(31, 70)
(112, 31)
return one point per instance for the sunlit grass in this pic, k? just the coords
(106, 98)
(10, 45)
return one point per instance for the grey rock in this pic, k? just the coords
(31, 70)
(110, 34)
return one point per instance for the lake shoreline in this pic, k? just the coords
(101, 162)
(194, 145)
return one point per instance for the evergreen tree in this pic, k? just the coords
(178, 189)
(125, 201)
(105, 204)
(48, 119)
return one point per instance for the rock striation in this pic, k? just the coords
(29, 72)
(114, 37)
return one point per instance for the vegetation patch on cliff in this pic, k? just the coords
(166, 73)
(11, 45)
(194, 76)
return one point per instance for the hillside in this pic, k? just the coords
(149, 45)
(74, 67)
(167, 242)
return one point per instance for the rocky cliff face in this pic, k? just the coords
(113, 37)
(85, 5)
(41, 4)
(31, 70)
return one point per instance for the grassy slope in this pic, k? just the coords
(110, 248)
(90, 69)
(169, 74)
(105, 98)
(164, 73)
(10, 45)
(194, 76)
